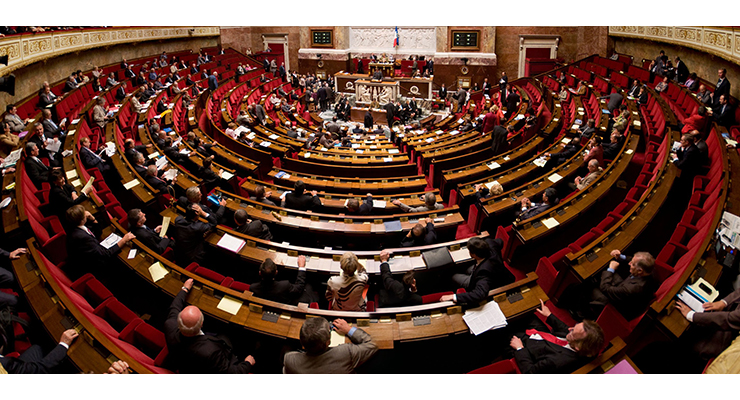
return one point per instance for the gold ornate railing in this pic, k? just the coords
(723, 42)
(26, 49)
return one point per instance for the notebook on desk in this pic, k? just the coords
(437, 257)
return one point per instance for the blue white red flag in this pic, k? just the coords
(395, 38)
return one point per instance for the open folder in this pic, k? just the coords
(697, 294)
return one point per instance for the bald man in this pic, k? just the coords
(193, 352)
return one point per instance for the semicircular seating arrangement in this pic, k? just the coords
(230, 160)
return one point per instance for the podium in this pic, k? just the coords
(386, 68)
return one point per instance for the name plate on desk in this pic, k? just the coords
(422, 320)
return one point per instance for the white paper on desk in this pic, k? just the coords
(336, 339)
(75, 121)
(273, 136)
(132, 254)
(72, 132)
(226, 175)
(110, 149)
(153, 155)
(265, 144)
(184, 151)
(359, 151)
(229, 304)
(67, 153)
(554, 178)
(460, 255)
(72, 174)
(379, 203)
(76, 183)
(373, 146)
(731, 221)
(417, 262)
(111, 240)
(540, 161)
(429, 140)
(694, 296)
(290, 261)
(388, 159)
(355, 145)
(231, 243)
(400, 264)
(485, 318)
(507, 158)
(575, 127)
(157, 271)
(566, 140)
(628, 151)
(130, 184)
(550, 223)
(372, 266)
(489, 185)
(493, 165)
(393, 151)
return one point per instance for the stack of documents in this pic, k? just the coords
(485, 318)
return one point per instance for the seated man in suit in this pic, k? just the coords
(44, 143)
(130, 149)
(51, 129)
(193, 352)
(715, 328)
(251, 227)
(487, 273)
(210, 178)
(395, 293)
(430, 204)
(588, 130)
(261, 196)
(152, 177)
(91, 159)
(84, 251)
(283, 291)
(298, 200)
(33, 361)
(146, 235)
(139, 164)
(723, 112)
(594, 170)
(529, 209)
(319, 358)
(7, 280)
(193, 196)
(611, 149)
(37, 171)
(420, 235)
(355, 208)
(688, 157)
(62, 195)
(560, 350)
(482, 191)
(568, 151)
(17, 124)
(189, 233)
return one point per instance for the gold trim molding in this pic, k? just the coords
(722, 42)
(23, 50)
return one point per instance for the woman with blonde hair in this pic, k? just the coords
(346, 292)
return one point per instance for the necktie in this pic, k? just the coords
(547, 336)
(88, 231)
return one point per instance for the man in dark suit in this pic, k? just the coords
(560, 350)
(190, 350)
(512, 103)
(355, 208)
(723, 86)
(283, 291)
(487, 273)
(62, 195)
(716, 327)
(634, 91)
(688, 157)
(189, 233)
(503, 82)
(193, 196)
(157, 183)
(462, 98)
(254, 228)
(615, 100)
(36, 170)
(322, 96)
(724, 113)
(90, 159)
(588, 130)
(704, 95)
(568, 151)
(51, 129)
(443, 92)
(368, 121)
(146, 235)
(390, 113)
(121, 92)
(33, 361)
(298, 200)
(682, 71)
(395, 293)
(420, 235)
(84, 251)
(213, 81)
(631, 295)
(529, 209)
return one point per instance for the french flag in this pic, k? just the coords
(395, 39)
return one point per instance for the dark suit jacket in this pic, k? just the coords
(722, 88)
(60, 198)
(280, 291)
(365, 208)
(480, 284)
(37, 171)
(368, 120)
(303, 202)
(45, 365)
(429, 238)
(204, 354)
(390, 112)
(150, 238)
(216, 210)
(689, 159)
(84, 251)
(256, 229)
(532, 211)
(511, 101)
(394, 293)
(189, 238)
(541, 356)
(500, 275)
(682, 72)
(630, 296)
(724, 115)
(499, 143)
(634, 91)
(212, 82)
